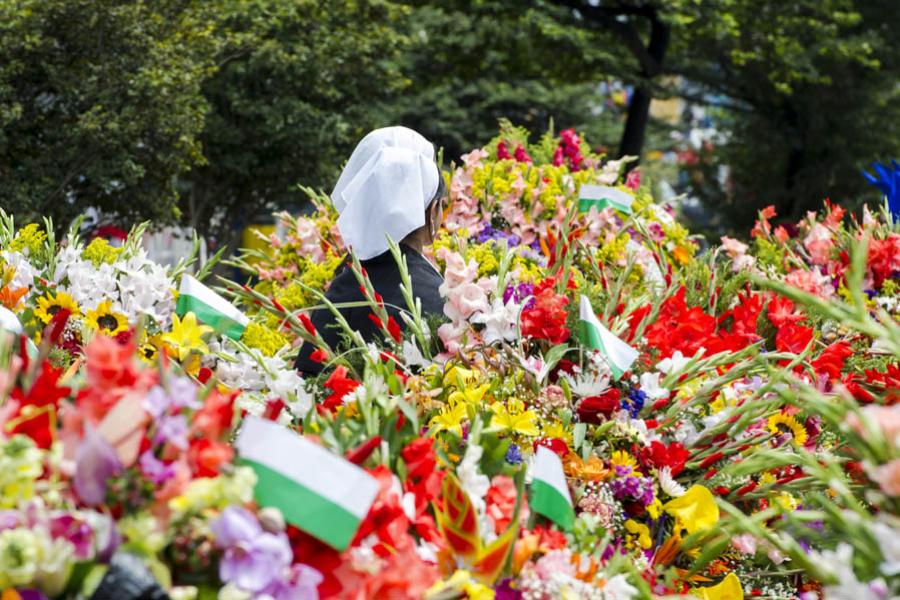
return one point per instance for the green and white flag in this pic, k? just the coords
(316, 490)
(619, 355)
(210, 308)
(604, 196)
(549, 491)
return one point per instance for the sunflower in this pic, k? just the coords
(781, 423)
(620, 458)
(51, 304)
(148, 350)
(105, 320)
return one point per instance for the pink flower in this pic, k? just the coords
(885, 417)
(474, 158)
(745, 543)
(458, 271)
(888, 477)
(553, 564)
(733, 247)
(818, 244)
(633, 180)
(451, 336)
(465, 300)
(812, 282)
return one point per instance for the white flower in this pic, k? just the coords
(24, 271)
(499, 322)
(668, 484)
(473, 481)
(888, 536)
(65, 258)
(412, 356)
(618, 588)
(650, 386)
(840, 564)
(674, 364)
(588, 384)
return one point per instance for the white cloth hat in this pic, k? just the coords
(384, 189)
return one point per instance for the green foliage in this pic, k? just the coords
(297, 86)
(99, 105)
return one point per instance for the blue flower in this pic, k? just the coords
(634, 402)
(514, 455)
(887, 180)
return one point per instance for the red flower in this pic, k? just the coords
(419, 457)
(546, 318)
(501, 502)
(205, 456)
(394, 329)
(215, 416)
(592, 408)
(884, 258)
(340, 385)
(781, 312)
(502, 151)
(793, 338)
(307, 324)
(318, 356)
(678, 328)
(521, 155)
(386, 518)
(37, 408)
(555, 444)
(831, 361)
(659, 455)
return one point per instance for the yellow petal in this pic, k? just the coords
(728, 589)
(695, 511)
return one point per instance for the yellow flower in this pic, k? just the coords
(655, 508)
(695, 511)
(50, 304)
(786, 501)
(29, 238)
(470, 396)
(729, 588)
(767, 478)
(460, 377)
(105, 320)
(781, 423)
(640, 534)
(620, 458)
(682, 255)
(266, 340)
(513, 417)
(557, 430)
(449, 419)
(461, 581)
(186, 336)
(99, 251)
(148, 350)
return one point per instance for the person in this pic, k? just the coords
(390, 188)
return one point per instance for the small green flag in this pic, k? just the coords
(603, 196)
(619, 355)
(210, 308)
(549, 491)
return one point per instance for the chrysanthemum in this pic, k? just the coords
(51, 304)
(106, 320)
(781, 423)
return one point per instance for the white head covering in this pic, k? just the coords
(384, 189)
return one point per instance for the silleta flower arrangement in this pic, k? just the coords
(602, 413)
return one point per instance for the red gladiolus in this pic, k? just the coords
(793, 338)
(359, 454)
(502, 151)
(206, 456)
(215, 416)
(711, 459)
(340, 385)
(273, 409)
(884, 258)
(521, 155)
(831, 361)
(318, 356)
(37, 406)
(781, 312)
(546, 319)
(307, 324)
(394, 329)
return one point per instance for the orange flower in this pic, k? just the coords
(592, 470)
(10, 297)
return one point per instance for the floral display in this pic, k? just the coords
(602, 412)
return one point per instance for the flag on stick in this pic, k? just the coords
(316, 490)
(549, 491)
(210, 308)
(603, 196)
(619, 355)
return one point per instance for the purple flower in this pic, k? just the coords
(301, 583)
(156, 470)
(518, 293)
(254, 559)
(505, 591)
(172, 429)
(9, 519)
(95, 463)
(182, 393)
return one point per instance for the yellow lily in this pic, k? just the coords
(728, 589)
(186, 336)
(513, 417)
(695, 511)
(449, 419)
(467, 395)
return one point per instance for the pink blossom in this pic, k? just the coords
(885, 417)
(474, 158)
(458, 271)
(781, 234)
(810, 281)
(888, 477)
(465, 300)
(633, 180)
(818, 244)
(745, 543)
(553, 564)
(451, 335)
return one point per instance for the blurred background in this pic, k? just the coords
(209, 114)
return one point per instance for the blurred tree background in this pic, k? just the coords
(207, 112)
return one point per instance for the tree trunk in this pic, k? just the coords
(639, 106)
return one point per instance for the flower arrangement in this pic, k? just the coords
(601, 414)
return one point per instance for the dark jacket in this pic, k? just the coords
(385, 277)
